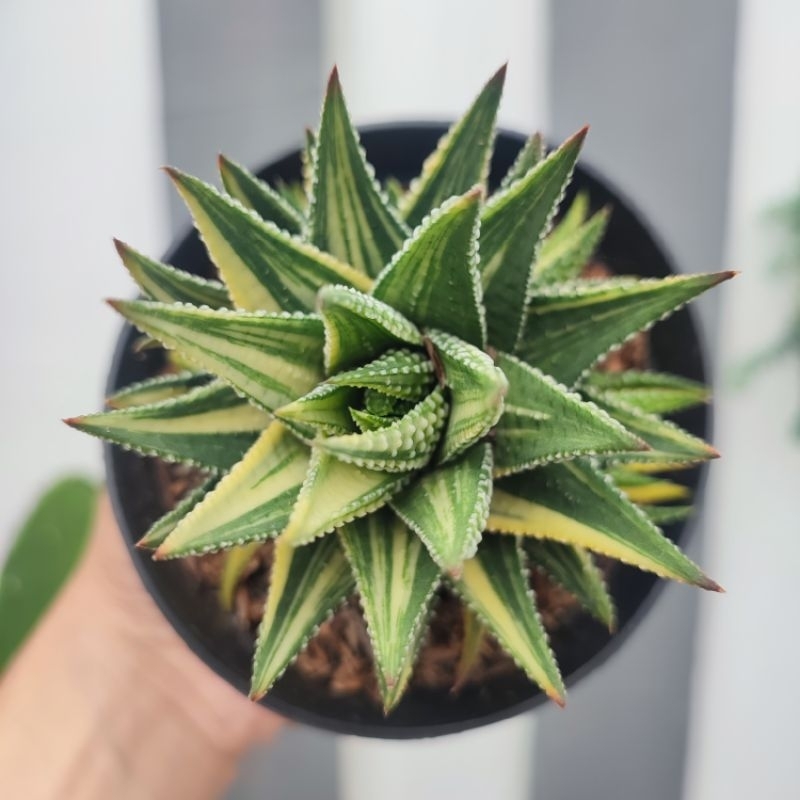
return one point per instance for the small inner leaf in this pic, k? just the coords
(401, 373)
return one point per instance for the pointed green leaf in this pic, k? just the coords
(210, 427)
(264, 268)
(406, 444)
(334, 493)
(306, 585)
(545, 422)
(169, 285)
(569, 224)
(396, 579)
(573, 503)
(471, 644)
(348, 216)
(154, 390)
(570, 326)
(388, 406)
(257, 195)
(326, 409)
(367, 421)
(359, 328)
(668, 441)
(530, 154)
(573, 568)
(477, 388)
(434, 279)
(652, 392)
(565, 259)
(237, 559)
(461, 158)
(400, 373)
(395, 191)
(667, 515)
(165, 524)
(495, 584)
(250, 504)
(271, 358)
(646, 490)
(512, 224)
(307, 166)
(447, 508)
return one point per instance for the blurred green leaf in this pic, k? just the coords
(41, 559)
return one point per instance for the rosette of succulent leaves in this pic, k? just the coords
(397, 385)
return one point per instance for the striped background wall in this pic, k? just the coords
(179, 80)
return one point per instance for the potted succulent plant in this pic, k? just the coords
(391, 391)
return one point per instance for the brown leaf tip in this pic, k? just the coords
(499, 77)
(710, 585)
(334, 84)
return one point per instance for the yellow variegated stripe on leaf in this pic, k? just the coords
(652, 392)
(471, 643)
(396, 579)
(461, 158)
(570, 326)
(530, 154)
(477, 390)
(566, 259)
(237, 560)
(306, 585)
(434, 279)
(264, 268)
(447, 508)
(271, 358)
(667, 515)
(572, 568)
(154, 390)
(210, 426)
(570, 223)
(170, 285)
(405, 444)
(251, 503)
(668, 441)
(645, 490)
(401, 373)
(573, 503)
(307, 169)
(359, 327)
(495, 585)
(512, 224)
(545, 422)
(325, 409)
(164, 525)
(259, 196)
(395, 191)
(348, 216)
(335, 492)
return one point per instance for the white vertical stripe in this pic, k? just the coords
(81, 140)
(416, 59)
(743, 737)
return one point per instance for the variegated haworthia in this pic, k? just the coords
(398, 386)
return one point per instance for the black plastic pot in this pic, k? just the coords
(628, 247)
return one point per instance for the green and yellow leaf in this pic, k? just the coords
(477, 391)
(396, 579)
(348, 215)
(472, 641)
(651, 392)
(447, 508)
(572, 568)
(495, 585)
(210, 427)
(334, 493)
(237, 560)
(644, 489)
(401, 373)
(265, 268)
(461, 158)
(271, 358)
(530, 154)
(170, 285)
(325, 409)
(667, 515)
(574, 504)
(571, 326)
(434, 279)
(359, 328)
(255, 194)
(512, 224)
(250, 504)
(306, 585)
(154, 390)
(544, 422)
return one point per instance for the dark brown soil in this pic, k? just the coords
(339, 654)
